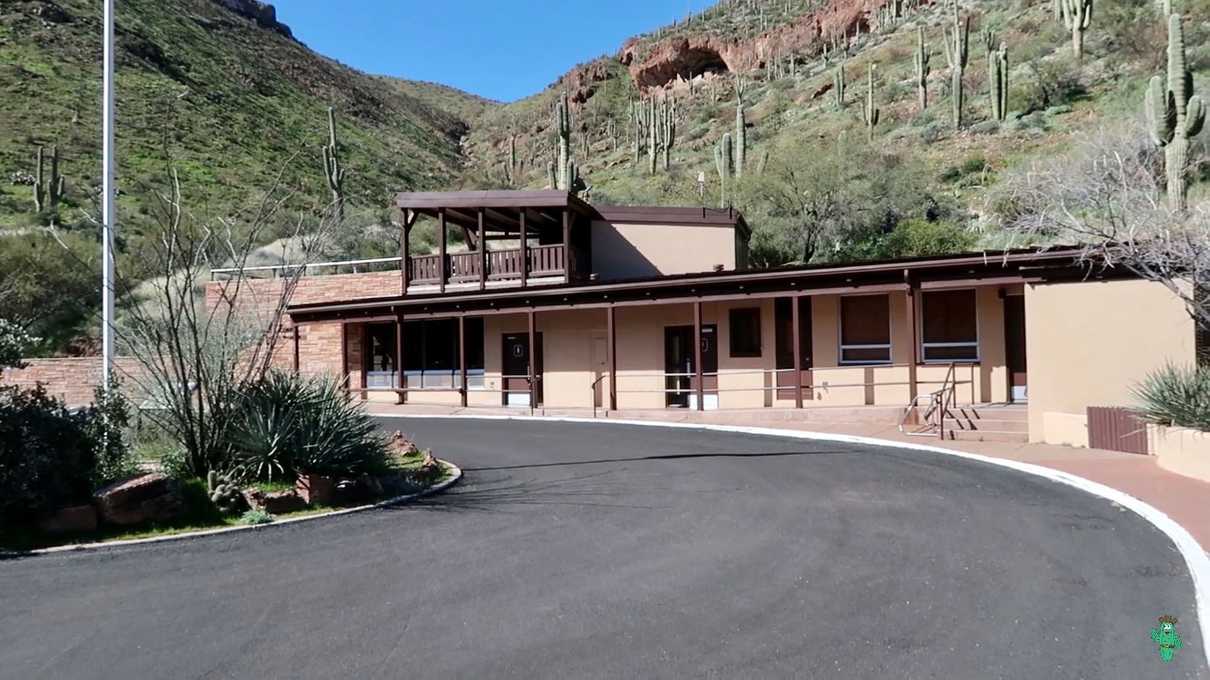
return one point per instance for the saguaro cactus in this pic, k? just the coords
(722, 163)
(653, 136)
(870, 113)
(741, 129)
(957, 42)
(1077, 15)
(668, 130)
(1174, 114)
(997, 81)
(47, 190)
(923, 69)
(333, 171)
(563, 133)
(838, 85)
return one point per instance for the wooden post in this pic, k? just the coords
(401, 378)
(482, 252)
(344, 356)
(462, 355)
(612, 325)
(913, 296)
(566, 245)
(405, 249)
(697, 356)
(524, 251)
(365, 363)
(533, 359)
(795, 303)
(442, 266)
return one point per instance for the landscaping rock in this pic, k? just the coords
(78, 520)
(316, 489)
(364, 489)
(276, 503)
(148, 498)
(400, 446)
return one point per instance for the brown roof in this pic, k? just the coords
(990, 268)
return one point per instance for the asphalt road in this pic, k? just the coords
(594, 551)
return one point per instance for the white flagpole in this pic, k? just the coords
(108, 203)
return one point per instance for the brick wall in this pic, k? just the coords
(264, 293)
(72, 380)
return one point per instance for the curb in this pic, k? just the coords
(1196, 558)
(80, 547)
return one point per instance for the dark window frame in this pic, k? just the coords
(866, 348)
(750, 343)
(951, 346)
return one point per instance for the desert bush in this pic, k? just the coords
(1176, 395)
(286, 425)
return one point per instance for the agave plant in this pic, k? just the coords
(1176, 395)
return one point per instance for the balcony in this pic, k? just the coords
(547, 264)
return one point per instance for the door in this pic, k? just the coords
(516, 370)
(1014, 344)
(680, 369)
(783, 315)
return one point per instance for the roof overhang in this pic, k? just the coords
(501, 210)
(1002, 268)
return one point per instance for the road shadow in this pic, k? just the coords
(664, 456)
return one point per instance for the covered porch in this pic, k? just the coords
(539, 238)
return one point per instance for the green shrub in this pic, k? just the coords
(256, 517)
(287, 425)
(1176, 395)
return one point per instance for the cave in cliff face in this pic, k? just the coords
(686, 64)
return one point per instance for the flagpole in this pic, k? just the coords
(108, 203)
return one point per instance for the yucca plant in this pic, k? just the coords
(1176, 396)
(288, 425)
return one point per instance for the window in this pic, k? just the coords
(380, 356)
(865, 329)
(951, 328)
(430, 351)
(745, 332)
(1202, 340)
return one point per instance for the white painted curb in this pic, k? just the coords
(457, 475)
(1195, 557)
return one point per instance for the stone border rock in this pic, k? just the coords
(77, 547)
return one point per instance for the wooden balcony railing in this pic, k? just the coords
(544, 261)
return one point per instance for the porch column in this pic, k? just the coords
(405, 249)
(401, 379)
(566, 245)
(913, 295)
(462, 355)
(697, 355)
(344, 356)
(533, 357)
(795, 303)
(482, 252)
(612, 332)
(524, 251)
(442, 265)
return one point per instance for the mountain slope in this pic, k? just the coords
(220, 89)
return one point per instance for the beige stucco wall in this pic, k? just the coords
(1089, 343)
(1185, 452)
(624, 251)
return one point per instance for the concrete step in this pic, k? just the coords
(998, 413)
(987, 436)
(987, 424)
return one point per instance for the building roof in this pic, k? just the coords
(966, 270)
(728, 217)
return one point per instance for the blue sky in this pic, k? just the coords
(500, 49)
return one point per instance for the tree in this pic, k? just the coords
(1108, 195)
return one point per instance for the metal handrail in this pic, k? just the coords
(276, 268)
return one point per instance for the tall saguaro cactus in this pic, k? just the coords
(1174, 114)
(563, 133)
(923, 69)
(333, 171)
(653, 136)
(47, 190)
(870, 113)
(741, 129)
(838, 85)
(722, 163)
(668, 130)
(957, 42)
(1077, 15)
(997, 82)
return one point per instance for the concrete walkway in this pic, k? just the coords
(1184, 499)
